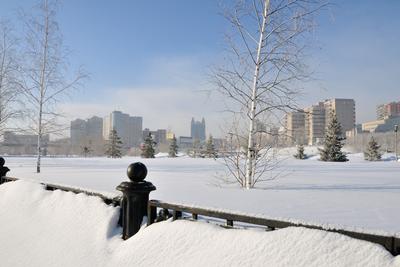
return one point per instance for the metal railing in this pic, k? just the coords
(391, 243)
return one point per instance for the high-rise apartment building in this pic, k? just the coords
(388, 110)
(86, 131)
(159, 136)
(345, 110)
(295, 127)
(198, 130)
(315, 123)
(128, 128)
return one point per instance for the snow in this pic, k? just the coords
(54, 228)
(355, 195)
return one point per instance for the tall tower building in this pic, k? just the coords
(86, 131)
(345, 110)
(388, 110)
(315, 123)
(295, 127)
(128, 128)
(198, 129)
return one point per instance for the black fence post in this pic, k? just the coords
(135, 199)
(3, 169)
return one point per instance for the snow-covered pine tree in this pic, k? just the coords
(333, 142)
(300, 152)
(173, 148)
(210, 149)
(148, 147)
(372, 153)
(113, 145)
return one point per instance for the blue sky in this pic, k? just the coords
(150, 58)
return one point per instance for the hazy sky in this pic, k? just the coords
(151, 58)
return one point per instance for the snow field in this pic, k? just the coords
(54, 228)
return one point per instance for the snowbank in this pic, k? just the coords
(54, 228)
(357, 195)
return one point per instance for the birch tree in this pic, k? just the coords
(46, 76)
(263, 71)
(9, 101)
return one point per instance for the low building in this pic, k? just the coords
(381, 126)
(23, 144)
(185, 142)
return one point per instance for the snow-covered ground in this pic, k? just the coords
(356, 195)
(54, 228)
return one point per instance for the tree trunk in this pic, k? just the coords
(250, 147)
(42, 88)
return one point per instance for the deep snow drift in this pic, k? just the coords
(54, 228)
(353, 195)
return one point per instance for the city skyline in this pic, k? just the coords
(140, 68)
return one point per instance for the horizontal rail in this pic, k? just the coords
(51, 187)
(392, 244)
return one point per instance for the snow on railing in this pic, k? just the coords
(391, 243)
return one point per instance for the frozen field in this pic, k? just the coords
(356, 194)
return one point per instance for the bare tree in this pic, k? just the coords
(263, 71)
(46, 77)
(9, 101)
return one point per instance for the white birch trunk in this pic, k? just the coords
(250, 147)
(42, 88)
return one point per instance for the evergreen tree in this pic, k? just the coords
(173, 148)
(210, 149)
(333, 142)
(196, 150)
(372, 153)
(300, 152)
(148, 147)
(114, 145)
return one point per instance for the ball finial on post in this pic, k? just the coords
(137, 172)
(135, 198)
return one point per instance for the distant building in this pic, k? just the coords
(198, 130)
(185, 142)
(295, 127)
(388, 110)
(317, 118)
(23, 144)
(159, 136)
(83, 132)
(345, 110)
(315, 124)
(354, 132)
(381, 126)
(129, 129)
(170, 136)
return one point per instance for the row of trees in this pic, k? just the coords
(114, 147)
(34, 73)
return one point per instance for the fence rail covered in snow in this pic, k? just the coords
(135, 204)
(392, 244)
